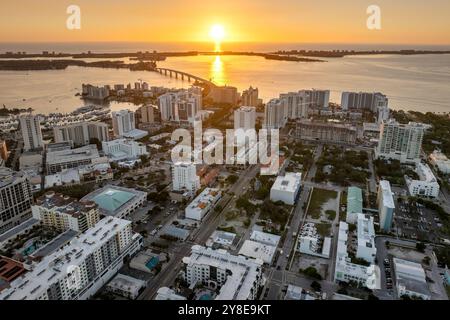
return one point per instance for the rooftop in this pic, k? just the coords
(19, 229)
(111, 199)
(425, 173)
(290, 182)
(257, 250)
(388, 199)
(354, 200)
(56, 266)
(127, 283)
(8, 176)
(265, 238)
(64, 204)
(244, 271)
(72, 155)
(411, 276)
(366, 231)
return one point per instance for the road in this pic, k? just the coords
(279, 277)
(170, 271)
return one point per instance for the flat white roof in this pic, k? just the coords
(366, 231)
(266, 238)
(243, 270)
(55, 267)
(289, 182)
(388, 200)
(425, 173)
(86, 152)
(257, 250)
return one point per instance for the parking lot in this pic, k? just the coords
(416, 222)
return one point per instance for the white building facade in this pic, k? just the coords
(16, 197)
(124, 149)
(201, 206)
(286, 188)
(81, 133)
(386, 205)
(184, 177)
(401, 142)
(181, 106)
(30, 127)
(236, 277)
(245, 118)
(78, 270)
(426, 185)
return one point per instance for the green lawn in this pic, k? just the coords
(323, 229)
(318, 198)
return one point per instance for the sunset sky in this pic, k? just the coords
(312, 21)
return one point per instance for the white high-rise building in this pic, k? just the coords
(401, 142)
(184, 177)
(386, 205)
(78, 270)
(299, 103)
(275, 114)
(16, 198)
(245, 118)
(181, 106)
(235, 277)
(81, 133)
(363, 100)
(30, 128)
(123, 121)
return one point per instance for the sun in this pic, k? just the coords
(217, 33)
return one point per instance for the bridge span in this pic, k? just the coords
(183, 75)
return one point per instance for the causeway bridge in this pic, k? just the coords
(183, 75)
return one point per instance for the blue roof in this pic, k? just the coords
(112, 199)
(354, 200)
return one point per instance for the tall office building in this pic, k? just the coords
(245, 118)
(275, 114)
(180, 106)
(401, 142)
(250, 97)
(184, 177)
(363, 100)
(386, 205)
(123, 121)
(15, 198)
(81, 133)
(31, 132)
(78, 270)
